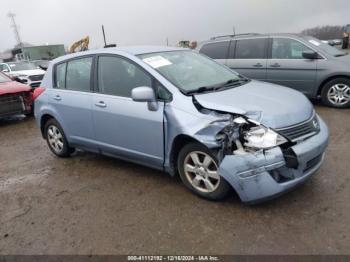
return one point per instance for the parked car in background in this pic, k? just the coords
(300, 62)
(178, 111)
(15, 98)
(26, 72)
(332, 42)
(42, 64)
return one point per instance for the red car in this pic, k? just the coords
(15, 98)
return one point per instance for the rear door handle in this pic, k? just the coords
(57, 98)
(275, 65)
(101, 104)
(258, 65)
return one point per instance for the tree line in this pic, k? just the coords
(326, 32)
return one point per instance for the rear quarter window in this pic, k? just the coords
(218, 50)
(60, 76)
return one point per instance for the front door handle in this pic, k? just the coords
(57, 98)
(101, 104)
(258, 65)
(275, 65)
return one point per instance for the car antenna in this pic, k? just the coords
(104, 38)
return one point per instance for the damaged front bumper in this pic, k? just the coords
(254, 175)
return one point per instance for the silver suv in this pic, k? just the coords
(300, 62)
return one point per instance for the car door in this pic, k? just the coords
(248, 57)
(123, 127)
(286, 65)
(71, 99)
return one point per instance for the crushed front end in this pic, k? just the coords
(261, 163)
(265, 174)
(15, 103)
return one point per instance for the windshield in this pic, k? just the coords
(22, 66)
(188, 70)
(324, 47)
(4, 78)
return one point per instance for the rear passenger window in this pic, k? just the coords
(61, 76)
(79, 74)
(216, 50)
(251, 48)
(118, 76)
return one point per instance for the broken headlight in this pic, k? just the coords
(261, 137)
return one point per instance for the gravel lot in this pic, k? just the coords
(90, 204)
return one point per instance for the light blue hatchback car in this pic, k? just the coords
(176, 110)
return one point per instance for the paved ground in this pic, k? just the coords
(91, 204)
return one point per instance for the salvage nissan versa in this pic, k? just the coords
(179, 111)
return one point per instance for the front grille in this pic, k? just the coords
(36, 77)
(34, 85)
(302, 130)
(11, 104)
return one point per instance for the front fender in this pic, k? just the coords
(325, 78)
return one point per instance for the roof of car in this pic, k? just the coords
(133, 50)
(250, 35)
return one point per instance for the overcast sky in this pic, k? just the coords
(135, 22)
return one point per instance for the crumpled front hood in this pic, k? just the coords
(272, 105)
(13, 87)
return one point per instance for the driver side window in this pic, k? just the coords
(285, 48)
(118, 76)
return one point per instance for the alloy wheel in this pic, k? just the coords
(201, 171)
(339, 94)
(55, 138)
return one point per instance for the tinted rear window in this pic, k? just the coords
(79, 74)
(251, 48)
(216, 50)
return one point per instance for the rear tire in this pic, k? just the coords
(198, 171)
(336, 93)
(56, 139)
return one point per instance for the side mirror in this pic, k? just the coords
(6, 71)
(17, 79)
(43, 67)
(310, 55)
(145, 94)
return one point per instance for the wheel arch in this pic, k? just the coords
(178, 143)
(328, 79)
(43, 121)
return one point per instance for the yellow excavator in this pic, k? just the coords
(81, 45)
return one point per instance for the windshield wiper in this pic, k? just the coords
(342, 54)
(232, 82)
(220, 86)
(201, 89)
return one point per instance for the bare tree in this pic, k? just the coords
(326, 32)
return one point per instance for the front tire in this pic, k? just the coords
(336, 93)
(198, 169)
(56, 139)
